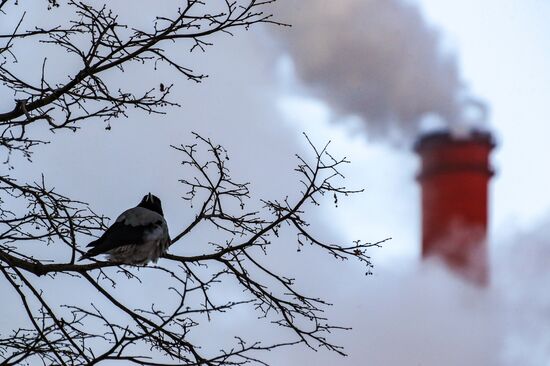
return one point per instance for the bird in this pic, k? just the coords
(138, 236)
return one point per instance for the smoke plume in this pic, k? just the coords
(377, 59)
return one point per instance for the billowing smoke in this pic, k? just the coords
(422, 314)
(377, 59)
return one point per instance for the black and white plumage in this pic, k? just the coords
(138, 236)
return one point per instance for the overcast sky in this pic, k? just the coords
(495, 51)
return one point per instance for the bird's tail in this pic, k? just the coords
(92, 252)
(84, 256)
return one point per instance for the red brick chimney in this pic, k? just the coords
(454, 177)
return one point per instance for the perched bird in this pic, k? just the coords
(138, 236)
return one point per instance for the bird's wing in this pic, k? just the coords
(135, 226)
(139, 216)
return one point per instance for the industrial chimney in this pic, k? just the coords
(454, 176)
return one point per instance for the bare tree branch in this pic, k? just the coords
(100, 43)
(42, 231)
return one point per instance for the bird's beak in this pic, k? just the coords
(149, 197)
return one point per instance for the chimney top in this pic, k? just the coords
(447, 137)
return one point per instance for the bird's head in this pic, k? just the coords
(151, 202)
